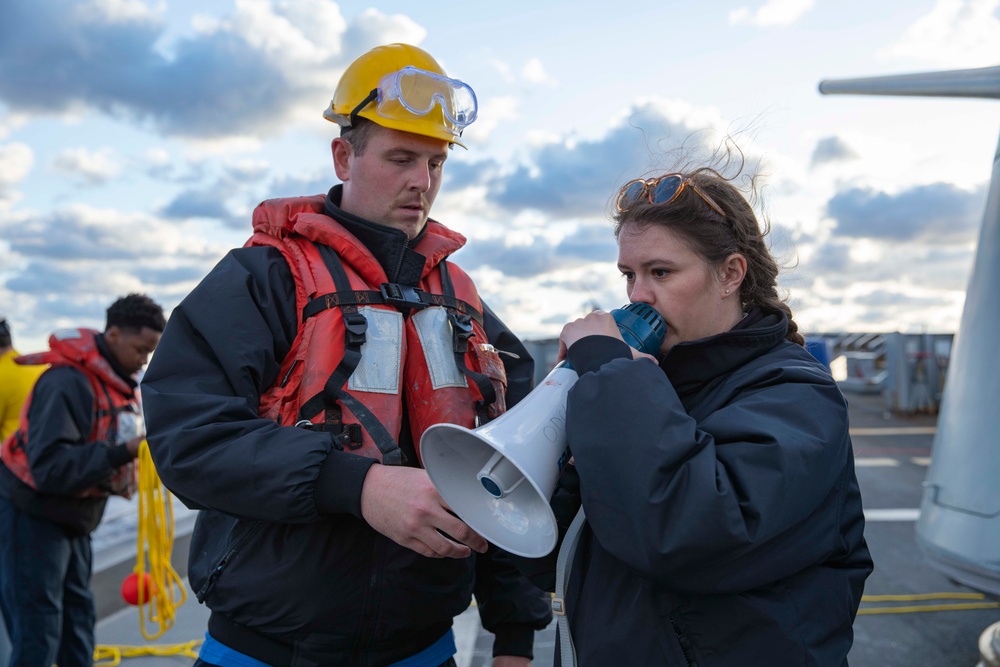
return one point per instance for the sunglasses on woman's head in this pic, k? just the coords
(661, 190)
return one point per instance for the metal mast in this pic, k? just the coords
(959, 525)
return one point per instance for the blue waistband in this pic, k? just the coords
(432, 656)
(217, 653)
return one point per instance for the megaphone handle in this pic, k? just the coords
(564, 564)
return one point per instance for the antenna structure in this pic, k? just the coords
(959, 524)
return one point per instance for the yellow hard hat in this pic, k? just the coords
(402, 87)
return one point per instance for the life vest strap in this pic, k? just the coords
(400, 297)
(111, 413)
(355, 328)
(461, 326)
(391, 456)
(339, 299)
(345, 436)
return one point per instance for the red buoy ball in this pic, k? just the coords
(130, 588)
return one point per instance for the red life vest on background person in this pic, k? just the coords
(355, 347)
(114, 401)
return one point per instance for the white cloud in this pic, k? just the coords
(10, 122)
(68, 264)
(318, 21)
(308, 39)
(772, 13)
(119, 11)
(16, 160)
(534, 72)
(492, 112)
(88, 167)
(372, 28)
(955, 33)
(305, 33)
(252, 73)
(157, 157)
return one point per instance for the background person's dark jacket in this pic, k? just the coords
(724, 520)
(281, 555)
(64, 462)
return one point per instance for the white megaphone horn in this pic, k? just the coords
(498, 478)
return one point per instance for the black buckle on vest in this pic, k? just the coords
(355, 326)
(402, 296)
(350, 437)
(462, 331)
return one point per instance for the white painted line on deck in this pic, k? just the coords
(920, 460)
(903, 514)
(876, 462)
(901, 430)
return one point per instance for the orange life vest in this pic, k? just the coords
(366, 347)
(114, 402)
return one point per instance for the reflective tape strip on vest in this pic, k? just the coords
(404, 360)
(116, 412)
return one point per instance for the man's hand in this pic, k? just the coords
(133, 446)
(511, 661)
(402, 504)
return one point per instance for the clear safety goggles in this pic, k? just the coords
(415, 92)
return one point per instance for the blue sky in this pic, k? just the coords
(137, 136)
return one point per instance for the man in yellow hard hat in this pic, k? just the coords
(291, 388)
(16, 382)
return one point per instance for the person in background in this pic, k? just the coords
(75, 446)
(16, 382)
(721, 516)
(292, 387)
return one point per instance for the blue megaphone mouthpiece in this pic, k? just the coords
(641, 327)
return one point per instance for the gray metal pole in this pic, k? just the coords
(959, 525)
(983, 82)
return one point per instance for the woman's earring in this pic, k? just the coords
(727, 291)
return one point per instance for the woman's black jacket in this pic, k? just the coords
(724, 520)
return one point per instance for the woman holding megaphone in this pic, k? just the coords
(723, 521)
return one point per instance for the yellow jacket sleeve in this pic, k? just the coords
(15, 385)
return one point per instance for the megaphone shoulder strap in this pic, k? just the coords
(564, 565)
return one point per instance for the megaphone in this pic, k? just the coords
(499, 477)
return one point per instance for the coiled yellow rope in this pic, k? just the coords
(154, 545)
(156, 539)
(111, 656)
